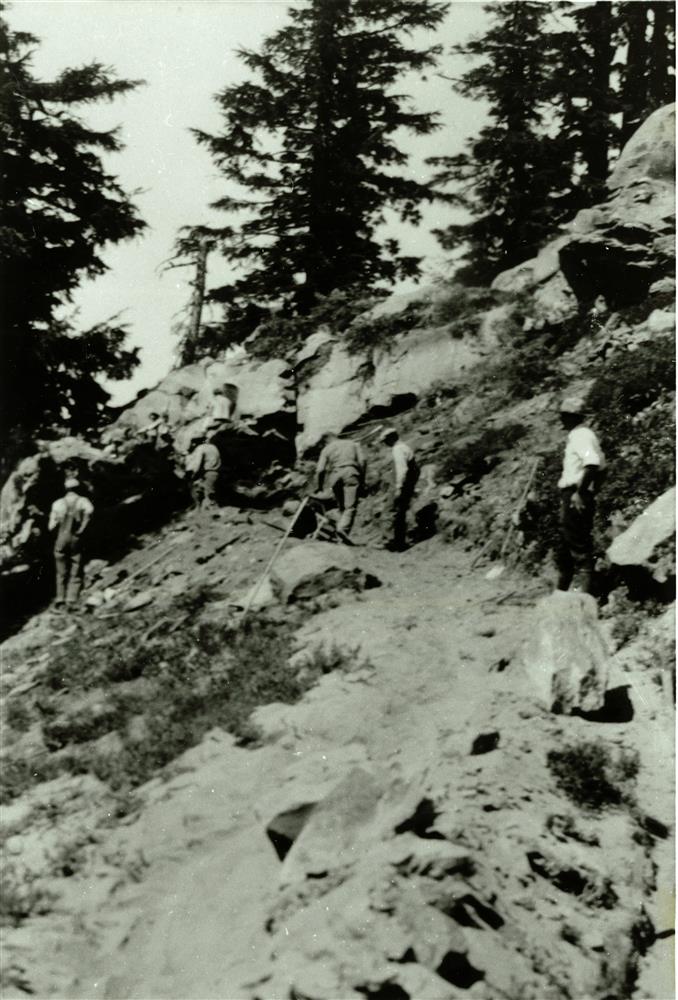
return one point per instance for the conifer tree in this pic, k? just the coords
(515, 179)
(559, 77)
(647, 74)
(60, 208)
(311, 143)
(661, 72)
(583, 89)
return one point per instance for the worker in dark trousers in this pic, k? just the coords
(405, 476)
(583, 463)
(69, 517)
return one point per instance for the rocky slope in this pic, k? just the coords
(398, 777)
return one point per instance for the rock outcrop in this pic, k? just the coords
(337, 388)
(636, 545)
(566, 660)
(619, 248)
(314, 568)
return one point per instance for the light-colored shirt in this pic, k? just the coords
(222, 408)
(582, 449)
(402, 459)
(70, 514)
(341, 454)
(206, 457)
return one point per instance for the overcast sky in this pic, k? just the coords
(186, 53)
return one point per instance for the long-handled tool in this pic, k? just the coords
(269, 566)
(499, 567)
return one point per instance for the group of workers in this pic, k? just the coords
(341, 475)
(342, 470)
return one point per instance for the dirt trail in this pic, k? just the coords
(199, 924)
(198, 901)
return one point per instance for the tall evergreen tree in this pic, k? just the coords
(60, 208)
(515, 179)
(648, 71)
(311, 142)
(661, 74)
(583, 88)
(558, 87)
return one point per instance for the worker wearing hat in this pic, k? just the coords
(69, 517)
(405, 476)
(583, 463)
(203, 465)
(341, 468)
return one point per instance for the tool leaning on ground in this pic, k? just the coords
(495, 571)
(269, 566)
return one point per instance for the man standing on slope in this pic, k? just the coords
(406, 474)
(583, 463)
(203, 465)
(341, 467)
(69, 516)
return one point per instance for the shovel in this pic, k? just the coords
(496, 571)
(269, 566)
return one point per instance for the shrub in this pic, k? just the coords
(197, 676)
(629, 383)
(474, 456)
(367, 332)
(282, 335)
(461, 308)
(20, 897)
(591, 777)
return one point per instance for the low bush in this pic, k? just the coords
(473, 456)
(282, 335)
(367, 332)
(461, 308)
(20, 896)
(188, 678)
(592, 777)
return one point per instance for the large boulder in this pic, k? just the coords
(314, 568)
(261, 391)
(650, 152)
(636, 545)
(619, 248)
(338, 388)
(565, 660)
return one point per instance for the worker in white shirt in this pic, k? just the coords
(405, 476)
(221, 408)
(583, 463)
(69, 517)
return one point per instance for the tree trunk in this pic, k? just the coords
(597, 150)
(198, 296)
(634, 88)
(661, 84)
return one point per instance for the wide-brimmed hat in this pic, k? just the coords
(573, 404)
(387, 432)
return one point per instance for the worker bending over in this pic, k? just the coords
(69, 517)
(203, 465)
(405, 476)
(341, 468)
(583, 463)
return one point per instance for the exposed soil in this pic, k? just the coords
(186, 897)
